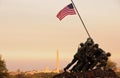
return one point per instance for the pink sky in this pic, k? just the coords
(30, 33)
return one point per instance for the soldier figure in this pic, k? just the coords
(103, 60)
(89, 41)
(82, 55)
(76, 57)
(93, 57)
(88, 46)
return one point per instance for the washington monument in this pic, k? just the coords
(57, 62)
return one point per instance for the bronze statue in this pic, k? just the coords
(90, 61)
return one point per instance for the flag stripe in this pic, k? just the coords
(64, 16)
(68, 10)
(66, 13)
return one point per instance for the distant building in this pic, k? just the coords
(47, 70)
(33, 72)
(14, 72)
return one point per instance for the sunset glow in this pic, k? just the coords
(30, 33)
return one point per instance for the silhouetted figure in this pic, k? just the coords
(89, 41)
(103, 60)
(94, 56)
(83, 55)
(76, 57)
(86, 58)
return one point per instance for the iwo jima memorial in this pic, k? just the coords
(90, 60)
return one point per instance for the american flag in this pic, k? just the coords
(68, 10)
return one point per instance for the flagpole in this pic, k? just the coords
(80, 18)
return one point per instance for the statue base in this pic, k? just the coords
(96, 73)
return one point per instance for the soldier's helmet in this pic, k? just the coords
(96, 45)
(81, 44)
(89, 41)
(108, 54)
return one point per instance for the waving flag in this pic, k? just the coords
(68, 10)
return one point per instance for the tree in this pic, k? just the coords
(111, 65)
(3, 69)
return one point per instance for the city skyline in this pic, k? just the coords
(30, 32)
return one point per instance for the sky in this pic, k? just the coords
(30, 33)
